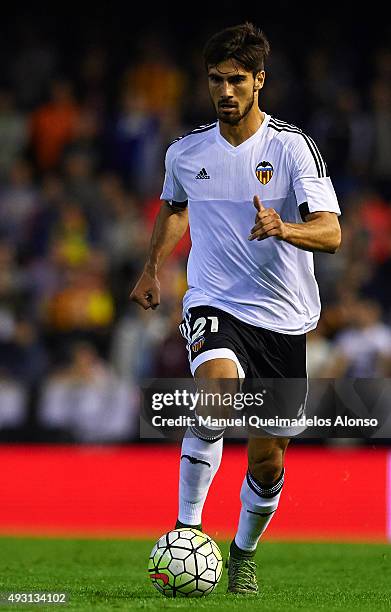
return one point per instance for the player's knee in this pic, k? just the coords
(267, 468)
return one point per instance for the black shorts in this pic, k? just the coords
(258, 352)
(263, 358)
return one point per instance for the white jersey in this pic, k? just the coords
(267, 283)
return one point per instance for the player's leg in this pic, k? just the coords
(202, 448)
(279, 361)
(260, 494)
(214, 348)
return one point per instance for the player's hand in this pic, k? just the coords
(146, 291)
(267, 223)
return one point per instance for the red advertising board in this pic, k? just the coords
(333, 493)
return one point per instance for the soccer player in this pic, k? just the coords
(252, 292)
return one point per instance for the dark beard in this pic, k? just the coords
(237, 119)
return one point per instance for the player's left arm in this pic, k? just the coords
(320, 232)
(315, 197)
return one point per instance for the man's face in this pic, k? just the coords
(232, 89)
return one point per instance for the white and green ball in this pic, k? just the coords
(185, 563)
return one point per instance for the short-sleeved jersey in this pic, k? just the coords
(267, 283)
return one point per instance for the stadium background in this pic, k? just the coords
(88, 104)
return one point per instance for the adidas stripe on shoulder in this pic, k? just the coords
(283, 126)
(198, 130)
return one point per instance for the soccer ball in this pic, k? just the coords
(185, 563)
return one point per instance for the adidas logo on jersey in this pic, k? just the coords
(203, 174)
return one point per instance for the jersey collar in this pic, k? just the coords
(231, 148)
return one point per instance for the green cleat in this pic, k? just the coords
(242, 576)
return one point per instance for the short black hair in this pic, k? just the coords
(243, 43)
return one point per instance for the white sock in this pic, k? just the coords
(200, 461)
(258, 506)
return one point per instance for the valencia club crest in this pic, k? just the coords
(197, 344)
(264, 172)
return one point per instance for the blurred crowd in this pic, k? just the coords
(81, 167)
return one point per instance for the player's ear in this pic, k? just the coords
(259, 80)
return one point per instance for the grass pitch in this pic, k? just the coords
(111, 575)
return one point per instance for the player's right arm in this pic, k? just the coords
(170, 226)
